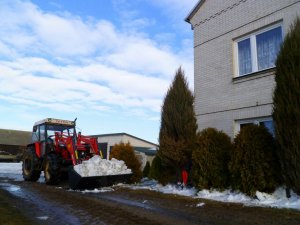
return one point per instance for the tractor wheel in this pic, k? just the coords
(52, 169)
(30, 166)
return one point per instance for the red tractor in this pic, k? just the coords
(55, 148)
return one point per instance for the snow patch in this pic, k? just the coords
(200, 204)
(14, 188)
(11, 170)
(96, 166)
(153, 185)
(277, 199)
(42, 217)
(96, 190)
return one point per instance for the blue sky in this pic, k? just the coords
(107, 62)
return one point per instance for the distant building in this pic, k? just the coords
(145, 150)
(236, 43)
(14, 141)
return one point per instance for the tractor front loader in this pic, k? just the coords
(56, 148)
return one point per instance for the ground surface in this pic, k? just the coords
(37, 203)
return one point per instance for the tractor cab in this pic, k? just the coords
(48, 131)
(44, 129)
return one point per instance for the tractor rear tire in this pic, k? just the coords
(30, 166)
(52, 170)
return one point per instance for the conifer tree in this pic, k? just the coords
(286, 110)
(178, 125)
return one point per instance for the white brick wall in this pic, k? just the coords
(220, 100)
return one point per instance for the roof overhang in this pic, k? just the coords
(55, 121)
(194, 10)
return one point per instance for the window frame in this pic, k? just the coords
(257, 121)
(253, 49)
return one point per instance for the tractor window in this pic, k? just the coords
(35, 135)
(42, 133)
(65, 130)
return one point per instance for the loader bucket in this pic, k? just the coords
(78, 182)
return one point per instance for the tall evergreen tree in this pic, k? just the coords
(286, 110)
(178, 125)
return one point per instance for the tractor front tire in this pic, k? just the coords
(30, 166)
(52, 170)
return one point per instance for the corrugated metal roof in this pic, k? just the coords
(14, 137)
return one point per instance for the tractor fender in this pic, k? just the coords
(36, 148)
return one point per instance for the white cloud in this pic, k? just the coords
(65, 63)
(71, 85)
(25, 26)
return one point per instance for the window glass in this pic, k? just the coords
(244, 51)
(266, 122)
(65, 130)
(35, 135)
(42, 133)
(268, 45)
(269, 125)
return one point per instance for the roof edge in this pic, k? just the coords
(193, 11)
(117, 134)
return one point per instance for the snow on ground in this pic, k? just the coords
(104, 189)
(14, 171)
(42, 217)
(200, 204)
(101, 167)
(168, 189)
(11, 170)
(277, 199)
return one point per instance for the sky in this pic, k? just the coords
(108, 63)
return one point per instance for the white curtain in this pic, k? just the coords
(268, 45)
(244, 55)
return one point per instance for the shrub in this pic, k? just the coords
(253, 161)
(162, 173)
(211, 158)
(286, 109)
(146, 170)
(125, 152)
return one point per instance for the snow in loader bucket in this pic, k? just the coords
(78, 182)
(97, 172)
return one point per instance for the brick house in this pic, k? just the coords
(235, 46)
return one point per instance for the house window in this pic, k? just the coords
(258, 51)
(266, 122)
